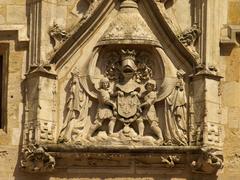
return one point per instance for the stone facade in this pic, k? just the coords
(120, 89)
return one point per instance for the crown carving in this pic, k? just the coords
(128, 54)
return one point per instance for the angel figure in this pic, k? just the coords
(175, 124)
(149, 111)
(106, 108)
(77, 110)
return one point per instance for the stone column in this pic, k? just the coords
(42, 17)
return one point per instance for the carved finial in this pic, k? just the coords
(129, 4)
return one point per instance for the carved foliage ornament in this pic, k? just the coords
(208, 162)
(58, 35)
(189, 37)
(36, 159)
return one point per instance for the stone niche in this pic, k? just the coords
(126, 97)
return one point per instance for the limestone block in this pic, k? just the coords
(233, 66)
(213, 111)
(13, 2)
(199, 90)
(233, 12)
(16, 14)
(234, 118)
(16, 134)
(231, 96)
(181, 10)
(212, 87)
(45, 110)
(69, 2)
(2, 14)
(61, 15)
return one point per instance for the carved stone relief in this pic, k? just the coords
(127, 99)
(208, 162)
(35, 159)
(126, 93)
(130, 95)
(58, 35)
(189, 37)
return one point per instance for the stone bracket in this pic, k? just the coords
(36, 159)
(230, 36)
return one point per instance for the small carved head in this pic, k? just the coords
(151, 85)
(104, 83)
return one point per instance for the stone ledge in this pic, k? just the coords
(21, 30)
(230, 36)
(120, 149)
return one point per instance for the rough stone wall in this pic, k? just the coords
(13, 31)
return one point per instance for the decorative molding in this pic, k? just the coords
(21, 30)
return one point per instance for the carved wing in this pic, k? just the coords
(166, 88)
(77, 109)
(88, 87)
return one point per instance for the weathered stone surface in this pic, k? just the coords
(66, 104)
(16, 14)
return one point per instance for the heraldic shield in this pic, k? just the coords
(127, 105)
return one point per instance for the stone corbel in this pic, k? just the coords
(36, 159)
(188, 38)
(230, 36)
(58, 35)
(208, 162)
